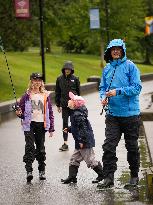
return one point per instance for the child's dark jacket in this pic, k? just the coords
(81, 128)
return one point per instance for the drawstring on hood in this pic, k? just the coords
(107, 54)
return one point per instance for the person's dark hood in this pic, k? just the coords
(114, 43)
(68, 65)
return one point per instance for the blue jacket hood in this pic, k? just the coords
(115, 42)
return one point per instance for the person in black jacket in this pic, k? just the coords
(84, 140)
(64, 84)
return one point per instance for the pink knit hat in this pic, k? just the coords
(78, 100)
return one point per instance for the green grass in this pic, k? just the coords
(23, 64)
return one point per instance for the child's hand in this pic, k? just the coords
(18, 112)
(50, 134)
(81, 145)
(65, 130)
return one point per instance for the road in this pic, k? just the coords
(15, 190)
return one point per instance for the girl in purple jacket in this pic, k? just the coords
(35, 111)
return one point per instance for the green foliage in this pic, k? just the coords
(16, 34)
(66, 23)
(76, 27)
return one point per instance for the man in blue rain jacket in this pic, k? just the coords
(119, 94)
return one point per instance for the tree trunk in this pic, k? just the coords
(147, 57)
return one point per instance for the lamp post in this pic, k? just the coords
(42, 39)
(107, 19)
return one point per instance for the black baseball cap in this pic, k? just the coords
(35, 76)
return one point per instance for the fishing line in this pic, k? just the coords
(15, 107)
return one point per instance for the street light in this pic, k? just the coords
(107, 19)
(42, 39)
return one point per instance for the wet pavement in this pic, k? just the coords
(15, 191)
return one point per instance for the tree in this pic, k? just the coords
(16, 34)
(66, 23)
(126, 21)
(147, 41)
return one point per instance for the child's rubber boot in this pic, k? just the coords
(73, 170)
(99, 170)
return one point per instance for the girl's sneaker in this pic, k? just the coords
(42, 175)
(29, 176)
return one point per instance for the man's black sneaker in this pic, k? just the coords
(133, 182)
(107, 183)
(64, 147)
(42, 175)
(29, 176)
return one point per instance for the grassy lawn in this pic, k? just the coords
(23, 64)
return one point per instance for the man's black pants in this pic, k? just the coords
(36, 136)
(115, 126)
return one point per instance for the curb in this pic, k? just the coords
(147, 118)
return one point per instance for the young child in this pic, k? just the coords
(35, 111)
(84, 140)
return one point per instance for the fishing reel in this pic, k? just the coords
(15, 107)
(104, 108)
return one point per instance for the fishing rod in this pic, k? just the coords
(15, 106)
(104, 106)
